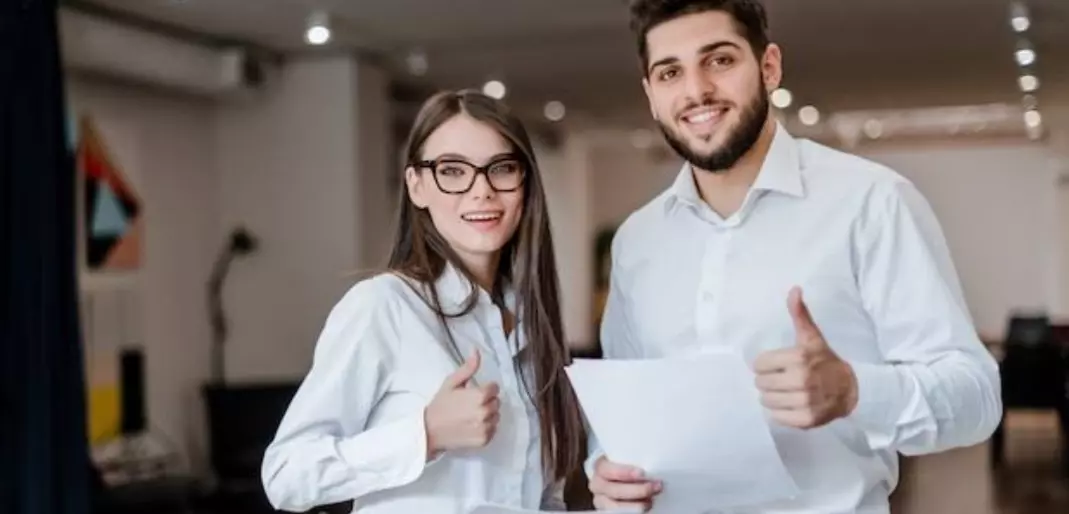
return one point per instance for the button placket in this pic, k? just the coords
(711, 286)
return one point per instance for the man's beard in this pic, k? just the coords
(741, 139)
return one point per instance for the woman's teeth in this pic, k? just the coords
(481, 217)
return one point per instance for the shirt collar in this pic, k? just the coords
(781, 172)
(453, 290)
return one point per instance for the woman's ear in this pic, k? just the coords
(415, 186)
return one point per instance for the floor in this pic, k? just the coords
(963, 482)
(1031, 482)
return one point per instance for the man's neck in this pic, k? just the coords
(725, 190)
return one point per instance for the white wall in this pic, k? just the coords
(304, 165)
(163, 144)
(292, 170)
(997, 201)
(998, 204)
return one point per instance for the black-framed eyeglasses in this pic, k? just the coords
(456, 176)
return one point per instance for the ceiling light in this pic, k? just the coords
(642, 139)
(873, 129)
(1019, 19)
(554, 111)
(417, 63)
(1032, 118)
(318, 30)
(809, 115)
(1028, 83)
(782, 98)
(1025, 54)
(494, 89)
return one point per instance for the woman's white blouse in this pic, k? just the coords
(355, 429)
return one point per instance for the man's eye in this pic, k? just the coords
(668, 74)
(723, 61)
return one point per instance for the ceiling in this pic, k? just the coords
(839, 54)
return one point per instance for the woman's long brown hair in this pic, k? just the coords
(421, 253)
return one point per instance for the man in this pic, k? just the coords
(827, 272)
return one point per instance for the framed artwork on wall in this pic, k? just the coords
(112, 224)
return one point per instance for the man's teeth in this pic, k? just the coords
(703, 117)
(481, 217)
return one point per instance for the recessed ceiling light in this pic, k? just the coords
(782, 98)
(495, 89)
(1028, 83)
(1025, 54)
(1032, 118)
(873, 129)
(554, 111)
(809, 115)
(318, 29)
(1019, 19)
(417, 63)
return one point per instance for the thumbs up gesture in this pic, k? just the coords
(807, 385)
(461, 415)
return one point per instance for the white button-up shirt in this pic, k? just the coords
(870, 257)
(355, 429)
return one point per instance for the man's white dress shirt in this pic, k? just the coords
(355, 429)
(876, 274)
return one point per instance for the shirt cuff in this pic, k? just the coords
(588, 466)
(390, 455)
(879, 394)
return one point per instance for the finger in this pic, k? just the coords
(462, 375)
(491, 431)
(605, 503)
(492, 419)
(490, 409)
(626, 491)
(797, 418)
(778, 360)
(614, 472)
(805, 329)
(786, 400)
(792, 380)
(489, 391)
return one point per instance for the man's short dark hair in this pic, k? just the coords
(749, 16)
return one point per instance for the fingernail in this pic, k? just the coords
(636, 474)
(658, 486)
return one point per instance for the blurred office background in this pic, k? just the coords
(257, 147)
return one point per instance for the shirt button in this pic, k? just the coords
(707, 296)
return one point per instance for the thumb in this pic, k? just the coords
(462, 375)
(805, 329)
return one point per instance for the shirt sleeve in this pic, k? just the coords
(938, 386)
(323, 452)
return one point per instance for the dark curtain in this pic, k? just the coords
(42, 401)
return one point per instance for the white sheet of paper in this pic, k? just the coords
(694, 422)
(500, 509)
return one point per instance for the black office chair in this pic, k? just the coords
(242, 421)
(1034, 375)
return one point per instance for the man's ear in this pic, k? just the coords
(772, 67)
(649, 97)
(416, 188)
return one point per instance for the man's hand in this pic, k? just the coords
(808, 385)
(616, 486)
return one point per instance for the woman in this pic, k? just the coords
(440, 385)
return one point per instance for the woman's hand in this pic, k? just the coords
(462, 415)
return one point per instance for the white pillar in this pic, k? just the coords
(305, 168)
(566, 174)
